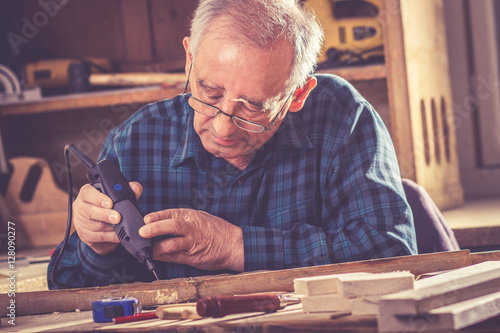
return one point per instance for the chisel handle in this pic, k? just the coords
(220, 306)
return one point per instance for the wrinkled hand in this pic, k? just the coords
(202, 240)
(93, 217)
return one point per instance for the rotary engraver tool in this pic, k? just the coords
(108, 179)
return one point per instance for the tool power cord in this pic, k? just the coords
(68, 224)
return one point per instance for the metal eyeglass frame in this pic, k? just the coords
(219, 111)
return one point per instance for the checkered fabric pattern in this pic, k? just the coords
(324, 189)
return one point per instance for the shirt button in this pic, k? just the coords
(241, 181)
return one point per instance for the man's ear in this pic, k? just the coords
(189, 57)
(301, 94)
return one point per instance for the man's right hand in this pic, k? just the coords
(93, 217)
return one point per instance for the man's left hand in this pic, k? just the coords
(201, 240)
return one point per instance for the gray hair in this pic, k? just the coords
(264, 22)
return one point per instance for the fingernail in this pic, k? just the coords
(146, 230)
(106, 204)
(113, 218)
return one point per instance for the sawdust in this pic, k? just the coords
(38, 283)
(164, 296)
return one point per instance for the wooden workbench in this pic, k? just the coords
(290, 319)
(64, 310)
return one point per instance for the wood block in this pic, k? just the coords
(319, 285)
(447, 288)
(374, 284)
(479, 257)
(450, 317)
(368, 305)
(323, 303)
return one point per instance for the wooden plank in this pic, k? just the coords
(138, 79)
(374, 284)
(318, 285)
(397, 84)
(362, 306)
(325, 303)
(165, 292)
(91, 100)
(354, 284)
(450, 317)
(479, 257)
(444, 289)
(191, 289)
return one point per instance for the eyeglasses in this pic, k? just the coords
(213, 111)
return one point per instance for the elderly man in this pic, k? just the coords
(261, 166)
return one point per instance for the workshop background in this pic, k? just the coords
(431, 69)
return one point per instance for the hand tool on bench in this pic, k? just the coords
(222, 305)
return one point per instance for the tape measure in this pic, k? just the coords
(105, 310)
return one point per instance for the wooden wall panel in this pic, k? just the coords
(137, 35)
(420, 84)
(431, 101)
(170, 21)
(136, 31)
(81, 28)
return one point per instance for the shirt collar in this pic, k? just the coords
(190, 145)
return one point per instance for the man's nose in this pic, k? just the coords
(223, 123)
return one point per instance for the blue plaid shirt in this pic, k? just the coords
(325, 188)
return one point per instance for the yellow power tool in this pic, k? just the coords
(55, 73)
(353, 32)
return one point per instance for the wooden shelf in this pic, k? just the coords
(150, 94)
(359, 73)
(90, 100)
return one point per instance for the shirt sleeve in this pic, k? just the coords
(80, 266)
(364, 215)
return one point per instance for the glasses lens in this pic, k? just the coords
(212, 111)
(202, 108)
(248, 126)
